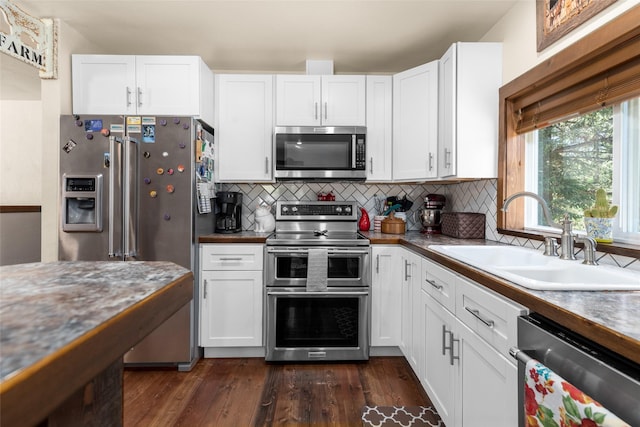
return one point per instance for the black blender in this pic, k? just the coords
(228, 217)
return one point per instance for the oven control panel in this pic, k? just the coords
(313, 209)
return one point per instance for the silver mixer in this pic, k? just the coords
(430, 215)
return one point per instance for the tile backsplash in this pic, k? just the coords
(471, 196)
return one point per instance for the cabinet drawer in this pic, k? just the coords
(491, 316)
(439, 283)
(231, 257)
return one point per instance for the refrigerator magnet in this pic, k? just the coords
(116, 127)
(170, 188)
(149, 134)
(93, 125)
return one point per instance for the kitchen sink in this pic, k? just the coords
(530, 269)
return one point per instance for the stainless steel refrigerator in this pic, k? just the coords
(137, 188)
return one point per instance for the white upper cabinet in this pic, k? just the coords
(470, 77)
(415, 123)
(244, 127)
(311, 100)
(104, 84)
(379, 127)
(146, 84)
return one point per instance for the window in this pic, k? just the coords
(568, 161)
(599, 74)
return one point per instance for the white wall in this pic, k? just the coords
(517, 32)
(56, 100)
(20, 152)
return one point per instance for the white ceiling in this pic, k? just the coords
(360, 36)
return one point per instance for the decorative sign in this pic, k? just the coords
(30, 39)
(556, 18)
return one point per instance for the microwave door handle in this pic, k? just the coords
(353, 151)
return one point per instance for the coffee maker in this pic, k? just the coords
(431, 213)
(228, 218)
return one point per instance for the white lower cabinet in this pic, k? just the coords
(385, 296)
(231, 295)
(411, 343)
(486, 384)
(467, 332)
(438, 375)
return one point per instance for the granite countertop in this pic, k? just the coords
(62, 322)
(609, 318)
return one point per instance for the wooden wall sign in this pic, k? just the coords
(556, 18)
(29, 39)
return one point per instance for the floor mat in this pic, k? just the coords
(405, 416)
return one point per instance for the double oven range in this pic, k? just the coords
(317, 279)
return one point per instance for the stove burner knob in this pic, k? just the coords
(285, 209)
(347, 209)
(338, 209)
(294, 209)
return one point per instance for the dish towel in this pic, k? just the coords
(549, 400)
(317, 266)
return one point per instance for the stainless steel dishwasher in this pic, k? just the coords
(606, 377)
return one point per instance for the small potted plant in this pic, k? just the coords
(598, 220)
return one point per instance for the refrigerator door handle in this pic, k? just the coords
(112, 189)
(130, 196)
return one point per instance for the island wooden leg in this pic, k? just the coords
(98, 403)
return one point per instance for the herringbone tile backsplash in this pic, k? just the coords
(472, 196)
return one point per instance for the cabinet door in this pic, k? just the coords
(415, 123)
(447, 113)
(379, 127)
(245, 127)
(385, 296)
(411, 331)
(104, 84)
(167, 85)
(343, 101)
(487, 393)
(468, 122)
(231, 309)
(298, 100)
(438, 373)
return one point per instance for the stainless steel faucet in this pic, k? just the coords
(545, 207)
(567, 238)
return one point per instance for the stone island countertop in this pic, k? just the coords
(64, 323)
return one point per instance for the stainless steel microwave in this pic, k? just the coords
(320, 153)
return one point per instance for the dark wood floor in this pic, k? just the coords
(252, 392)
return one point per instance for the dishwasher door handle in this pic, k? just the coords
(519, 355)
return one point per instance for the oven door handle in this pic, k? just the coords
(348, 293)
(330, 251)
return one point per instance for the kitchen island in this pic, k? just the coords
(64, 329)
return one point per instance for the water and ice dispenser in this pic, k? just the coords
(82, 202)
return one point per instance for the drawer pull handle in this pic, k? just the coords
(231, 259)
(476, 314)
(434, 284)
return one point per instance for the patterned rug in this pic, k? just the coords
(405, 416)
